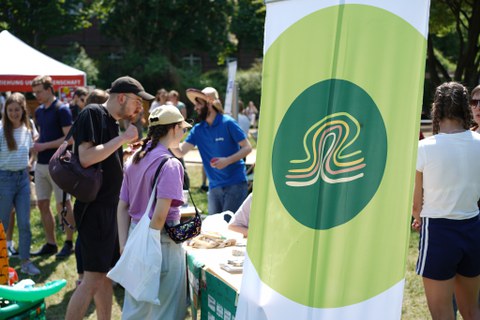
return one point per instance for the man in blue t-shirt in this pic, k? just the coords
(222, 145)
(54, 121)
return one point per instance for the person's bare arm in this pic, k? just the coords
(123, 223)
(245, 149)
(160, 213)
(54, 144)
(182, 149)
(90, 154)
(239, 229)
(417, 200)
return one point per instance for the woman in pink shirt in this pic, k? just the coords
(166, 129)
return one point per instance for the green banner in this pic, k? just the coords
(340, 115)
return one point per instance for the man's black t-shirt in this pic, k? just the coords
(87, 129)
(75, 111)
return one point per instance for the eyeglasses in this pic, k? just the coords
(475, 103)
(38, 92)
(139, 102)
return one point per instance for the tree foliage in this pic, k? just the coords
(454, 40)
(170, 27)
(247, 24)
(250, 83)
(36, 21)
(151, 68)
(155, 34)
(77, 57)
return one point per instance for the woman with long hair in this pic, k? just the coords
(166, 129)
(15, 144)
(447, 187)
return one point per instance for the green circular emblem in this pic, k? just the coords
(329, 154)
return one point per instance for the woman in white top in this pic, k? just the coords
(447, 187)
(15, 144)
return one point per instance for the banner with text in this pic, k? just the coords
(341, 99)
(230, 92)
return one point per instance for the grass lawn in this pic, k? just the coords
(414, 305)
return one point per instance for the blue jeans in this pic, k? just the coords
(15, 192)
(221, 199)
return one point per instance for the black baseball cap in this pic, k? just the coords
(127, 84)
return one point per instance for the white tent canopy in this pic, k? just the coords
(20, 63)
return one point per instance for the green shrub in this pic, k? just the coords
(76, 56)
(250, 83)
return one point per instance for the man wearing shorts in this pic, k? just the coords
(54, 121)
(98, 142)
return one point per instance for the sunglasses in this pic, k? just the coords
(475, 103)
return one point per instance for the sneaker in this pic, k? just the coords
(30, 269)
(66, 251)
(12, 251)
(204, 188)
(46, 249)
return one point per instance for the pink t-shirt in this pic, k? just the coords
(138, 180)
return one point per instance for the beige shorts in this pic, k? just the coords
(44, 184)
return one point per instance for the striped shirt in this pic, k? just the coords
(17, 159)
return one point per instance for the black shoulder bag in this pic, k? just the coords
(67, 172)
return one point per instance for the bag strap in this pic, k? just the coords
(160, 166)
(63, 214)
(155, 182)
(102, 127)
(152, 195)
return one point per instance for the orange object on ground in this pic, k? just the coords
(12, 276)
(3, 256)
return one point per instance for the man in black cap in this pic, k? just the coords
(97, 142)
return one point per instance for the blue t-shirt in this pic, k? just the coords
(51, 120)
(219, 140)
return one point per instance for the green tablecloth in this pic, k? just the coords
(213, 292)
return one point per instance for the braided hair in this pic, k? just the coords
(154, 134)
(451, 102)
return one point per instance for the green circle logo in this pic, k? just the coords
(329, 154)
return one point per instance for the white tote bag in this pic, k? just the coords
(139, 267)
